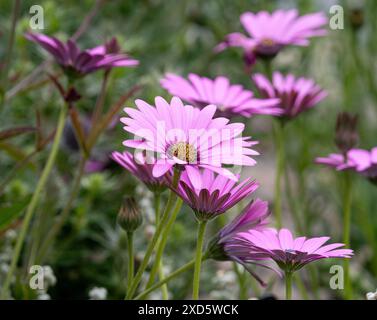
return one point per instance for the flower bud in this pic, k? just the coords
(72, 95)
(346, 136)
(356, 17)
(112, 46)
(129, 216)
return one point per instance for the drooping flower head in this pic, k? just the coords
(346, 135)
(187, 138)
(76, 62)
(253, 217)
(268, 33)
(210, 194)
(361, 161)
(296, 94)
(141, 168)
(230, 99)
(289, 253)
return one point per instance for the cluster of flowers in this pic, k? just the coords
(192, 142)
(195, 151)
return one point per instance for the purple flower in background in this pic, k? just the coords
(141, 168)
(296, 94)
(268, 32)
(76, 62)
(231, 100)
(93, 165)
(290, 254)
(361, 161)
(210, 195)
(188, 138)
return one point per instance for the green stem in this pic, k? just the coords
(130, 247)
(56, 227)
(268, 68)
(153, 242)
(347, 202)
(198, 259)
(163, 241)
(241, 282)
(157, 203)
(174, 274)
(279, 144)
(160, 266)
(288, 285)
(164, 287)
(294, 206)
(295, 209)
(34, 200)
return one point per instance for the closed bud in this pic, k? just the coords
(356, 17)
(72, 95)
(112, 46)
(129, 216)
(346, 136)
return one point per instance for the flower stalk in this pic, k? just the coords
(347, 203)
(288, 285)
(174, 274)
(34, 200)
(279, 144)
(156, 236)
(130, 247)
(162, 243)
(198, 259)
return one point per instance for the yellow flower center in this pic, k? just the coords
(268, 42)
(183, 151)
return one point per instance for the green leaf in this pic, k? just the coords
(10, 212)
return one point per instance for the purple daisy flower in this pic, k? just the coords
(270, 32)
(141, 169)
(361, 161)
(290, 254)
(76, 62)
(210, 195)
(187, 138)
(296, 95)
(230, 99)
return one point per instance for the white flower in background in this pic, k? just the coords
(43, 296)
(10, 235)
(146, 202)
(4, 268)
(156, 295)
(371, 295)
(49, 276)
(98, 293)
(225, 277)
